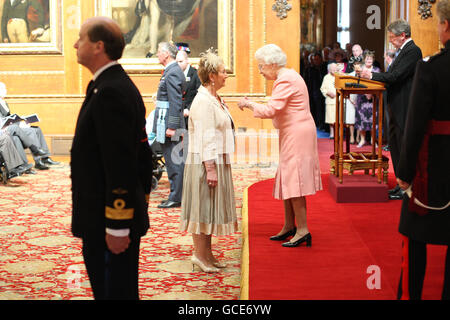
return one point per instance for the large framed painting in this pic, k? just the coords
(30, 27)
(202, 24)
(311, 19)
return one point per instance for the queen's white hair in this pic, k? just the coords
(331, 66)
(271, 54)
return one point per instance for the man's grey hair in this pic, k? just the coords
(443, 10)
(170, 48)
(271, 54)
(399, 26)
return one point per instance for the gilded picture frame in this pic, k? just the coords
(201, 24)
(31, 27)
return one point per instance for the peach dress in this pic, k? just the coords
(298, 172)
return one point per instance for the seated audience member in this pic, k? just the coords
(14, 164)
(31, 137)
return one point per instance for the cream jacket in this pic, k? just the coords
(328, 86)
(211, 128)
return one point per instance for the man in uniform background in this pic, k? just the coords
(423, 167)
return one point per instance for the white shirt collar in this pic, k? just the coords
(404, 43)
(186, 71)
(106, 66)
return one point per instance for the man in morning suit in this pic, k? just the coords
(169, 123)
(399, 80)
(111, 165)
(192, 81)
(424, 167)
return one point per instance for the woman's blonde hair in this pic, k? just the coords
(209, 63)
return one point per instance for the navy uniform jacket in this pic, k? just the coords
(399, 80)
(425, 154)
(111, 163)
(171, 89)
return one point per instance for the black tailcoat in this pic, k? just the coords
(192, 85)
(399, 80)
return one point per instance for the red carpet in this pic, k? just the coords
(353, 246)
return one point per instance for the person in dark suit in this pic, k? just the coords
(313, 77)
(169, 122)
(399, 80)
(192, 82)
(423, 167)
(111, 166)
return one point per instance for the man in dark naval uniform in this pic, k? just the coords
(111, 166)
(423, 169)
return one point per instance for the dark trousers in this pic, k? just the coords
(395, 143)
(112, 277)
(414, 265)
(174, 160)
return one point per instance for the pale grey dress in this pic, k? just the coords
(211, 137)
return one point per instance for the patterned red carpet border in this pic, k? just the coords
(40, 259)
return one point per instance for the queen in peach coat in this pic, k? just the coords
(298, 173)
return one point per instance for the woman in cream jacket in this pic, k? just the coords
(329, 92)
(208, 204)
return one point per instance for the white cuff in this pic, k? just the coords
(118, 232)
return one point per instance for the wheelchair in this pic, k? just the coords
(157, 155)
(157, 162)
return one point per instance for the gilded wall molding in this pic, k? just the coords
(81, 97)
(31, 73)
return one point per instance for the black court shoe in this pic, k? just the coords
(306, 238)
(284, 235)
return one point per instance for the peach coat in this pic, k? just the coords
(298, 172)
